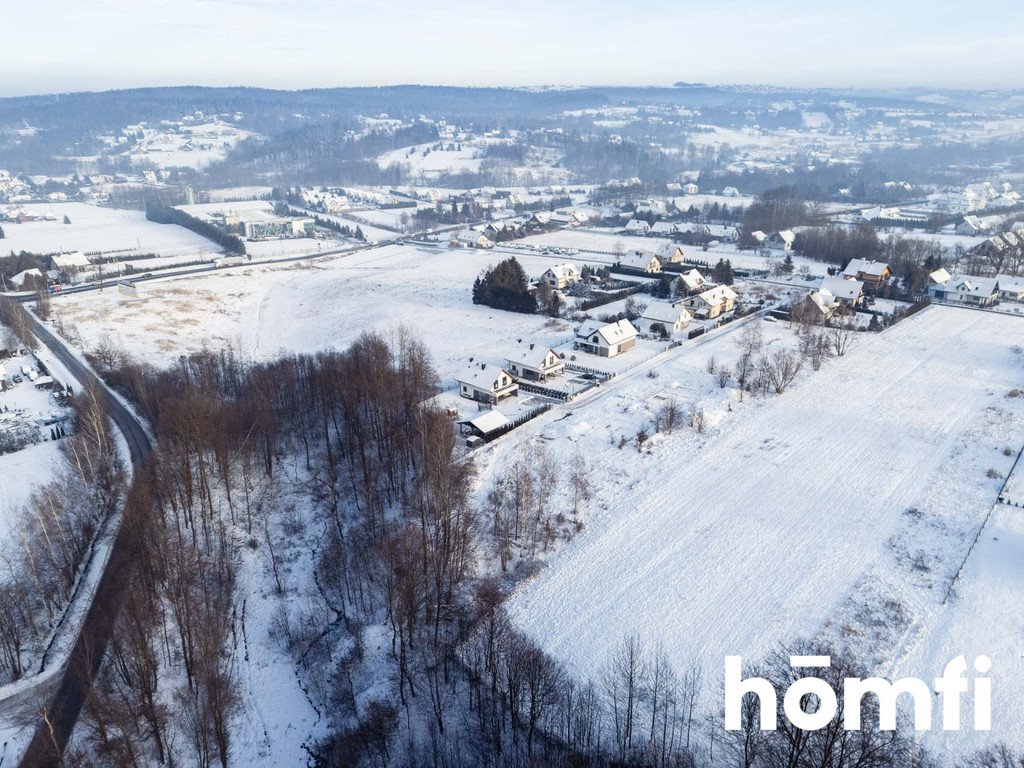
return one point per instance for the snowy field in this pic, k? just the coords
(23, 472)
(391, 217)
(238, 193)
(840, 509)
(434, 162)
(94, 229)
(188, 146)
(601, 243)
(321, 304)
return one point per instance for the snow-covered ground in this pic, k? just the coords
(22, 406)
(316, 305)
(23, 472)
(238, 193)
(95, 229)
(801, 514)
(186, 146)
(425, 161)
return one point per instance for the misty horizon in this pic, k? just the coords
(322, 45)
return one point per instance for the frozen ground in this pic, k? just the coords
(468, 158)
(95, 229)
(23, 472)
(792, 520)
(186, 146)
(321, 304)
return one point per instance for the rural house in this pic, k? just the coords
(780, 241)
(711, 303)
(672, 317)
(971, 225)
(605, 339)
(534, 362)
(644, 261)
(637, 227)
(470, 238)
(20, 279)
(63, 262)
(691, 282)
(817, 306)
(1011, 288)
(968, 289)
(669, 253)
(561, 276)
(872, 273)
(486, 383)
(846, 291)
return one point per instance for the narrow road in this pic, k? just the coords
(56, 725)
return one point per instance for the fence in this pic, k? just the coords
(554, 394)
(517, 422)
(600, 301)
(577, 368)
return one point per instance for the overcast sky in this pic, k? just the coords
(73, 45)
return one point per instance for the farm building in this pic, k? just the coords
(486, 424)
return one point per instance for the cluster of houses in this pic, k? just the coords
(488, 384)
(846, 290)
(699, 298)
(973, 290)
(519, 226)
(62, 267)
(975, 197)
(865, 277)
(725, 233)
(1000, 246)
(532, 367)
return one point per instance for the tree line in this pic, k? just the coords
(166, 214)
